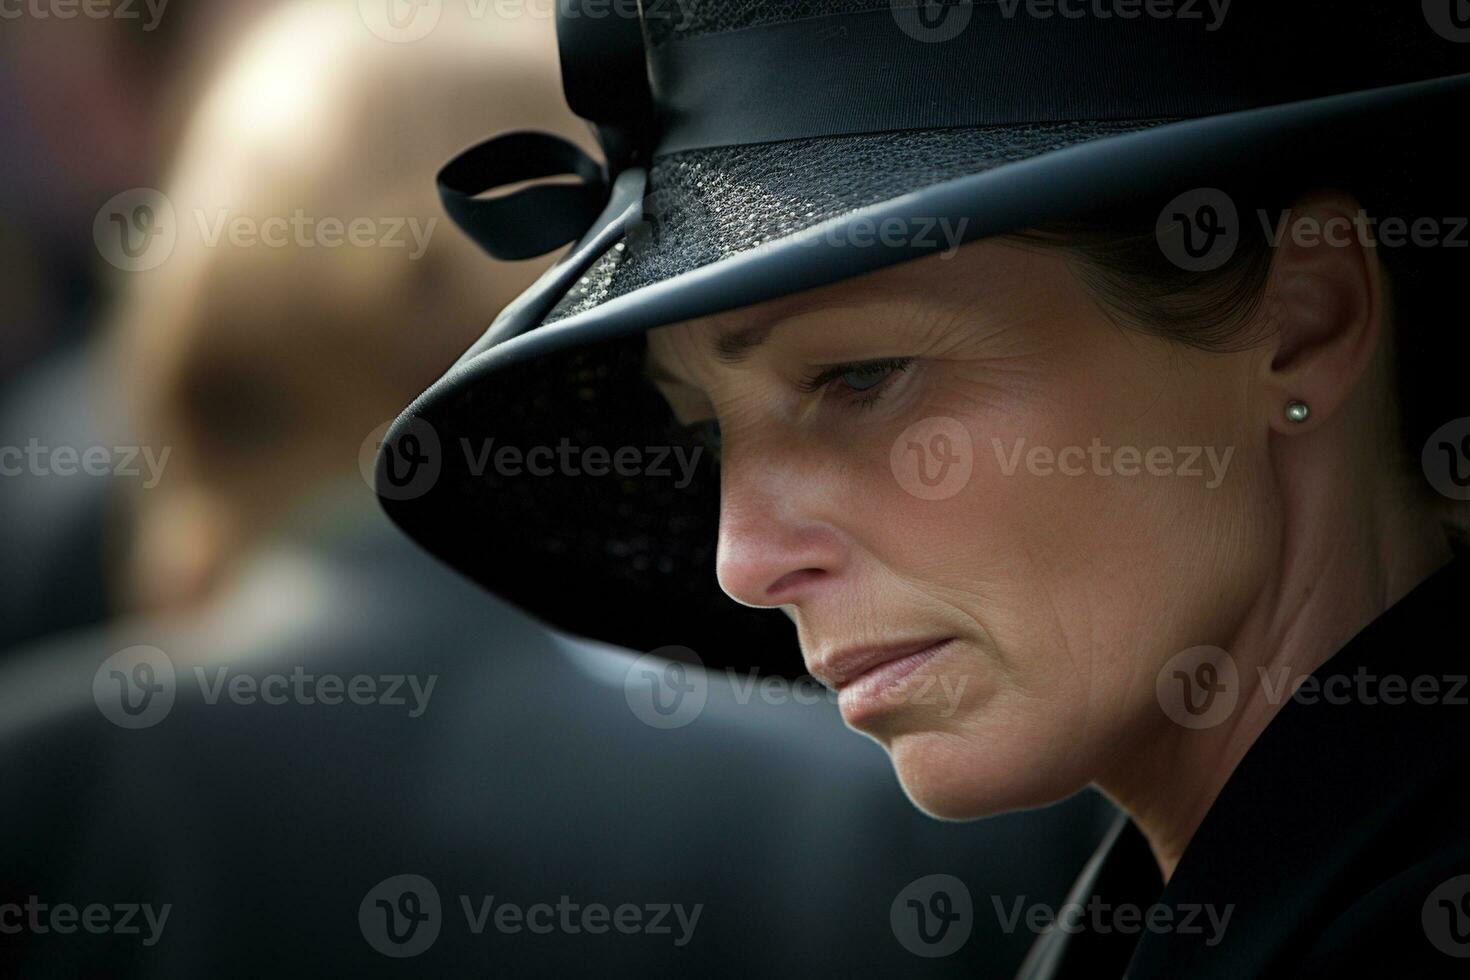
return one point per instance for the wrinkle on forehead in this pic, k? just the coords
(931, 294)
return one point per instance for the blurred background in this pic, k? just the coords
(223, 268)
(96, 106)
(233, 144)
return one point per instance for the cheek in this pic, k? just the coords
(1084, 534)
(1171, 520)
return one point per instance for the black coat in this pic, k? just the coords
(1339, 847)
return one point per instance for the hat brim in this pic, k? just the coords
(561, 482)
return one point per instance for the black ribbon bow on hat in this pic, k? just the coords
(534, 220)
(605, 79)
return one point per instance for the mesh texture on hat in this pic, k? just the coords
(707, 205)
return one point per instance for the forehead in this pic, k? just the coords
(917, 291)
(734, 329)
(733, 336)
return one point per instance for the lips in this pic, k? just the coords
(871, 682)
(844, 668)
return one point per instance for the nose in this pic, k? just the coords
(776, 547)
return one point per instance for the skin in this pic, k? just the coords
(1067, 595)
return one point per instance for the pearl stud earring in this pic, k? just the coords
(1298, 412)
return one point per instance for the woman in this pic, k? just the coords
(1139, 475)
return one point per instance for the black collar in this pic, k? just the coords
(1357, 778)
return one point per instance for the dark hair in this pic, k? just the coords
(1121, 262)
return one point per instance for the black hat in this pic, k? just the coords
(758, 148)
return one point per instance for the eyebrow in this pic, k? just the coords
(737, 346)
(732, 347)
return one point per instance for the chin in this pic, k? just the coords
(955, 777)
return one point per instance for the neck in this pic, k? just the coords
(1344, 560)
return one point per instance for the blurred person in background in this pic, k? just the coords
(203, 763)
(97, 99)
(307, 224)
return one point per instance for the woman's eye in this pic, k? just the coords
(866, 376)
(862, 379)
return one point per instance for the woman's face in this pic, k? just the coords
(993, 514)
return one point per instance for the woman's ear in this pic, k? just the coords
(1323, 308)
